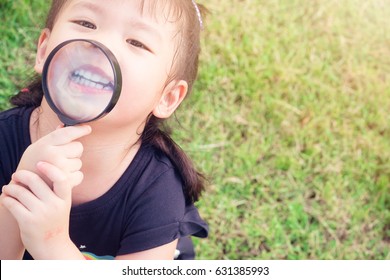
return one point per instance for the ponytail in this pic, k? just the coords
(29, 96)
(193, 180)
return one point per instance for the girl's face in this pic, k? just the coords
(144, 44)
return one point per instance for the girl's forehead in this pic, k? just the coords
(160, 16)
(166, 8)
(159, 10)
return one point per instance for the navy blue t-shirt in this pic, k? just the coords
(144, 209)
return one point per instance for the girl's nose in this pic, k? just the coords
(100, 50)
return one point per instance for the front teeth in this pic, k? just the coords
(86, 78)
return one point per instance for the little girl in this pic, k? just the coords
(118, 187)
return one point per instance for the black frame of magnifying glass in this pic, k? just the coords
(117, 81)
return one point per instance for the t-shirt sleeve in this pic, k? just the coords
(160, 215)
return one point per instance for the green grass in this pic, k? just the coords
(289, 119)
(21, 22)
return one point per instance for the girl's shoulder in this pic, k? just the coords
(16, 113)
(15, 124)
(15, 138)
(151, 164)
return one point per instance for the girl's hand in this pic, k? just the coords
(58, 148)
(41, 212)
(52, 162)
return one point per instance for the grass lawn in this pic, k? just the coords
(289, 119)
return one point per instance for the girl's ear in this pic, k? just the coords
(41, 50)
(171, 98)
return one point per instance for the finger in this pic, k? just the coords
(34, 184)
(62, 185)
(72, 150)
(74, 165)
(68, 134)
(76, 178)
(55, 174)
(12, 203)
(67, 165)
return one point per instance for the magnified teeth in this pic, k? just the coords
(87, 75)
(89, 79)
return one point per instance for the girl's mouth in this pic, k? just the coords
(88, 79)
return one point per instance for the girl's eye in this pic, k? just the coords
(86, 24)
(137, 44)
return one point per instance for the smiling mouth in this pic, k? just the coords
(86, 78)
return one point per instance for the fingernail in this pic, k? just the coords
(88, 127)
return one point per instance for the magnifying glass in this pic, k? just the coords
(81, 81)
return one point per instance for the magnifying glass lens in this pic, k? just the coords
(81, 81)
